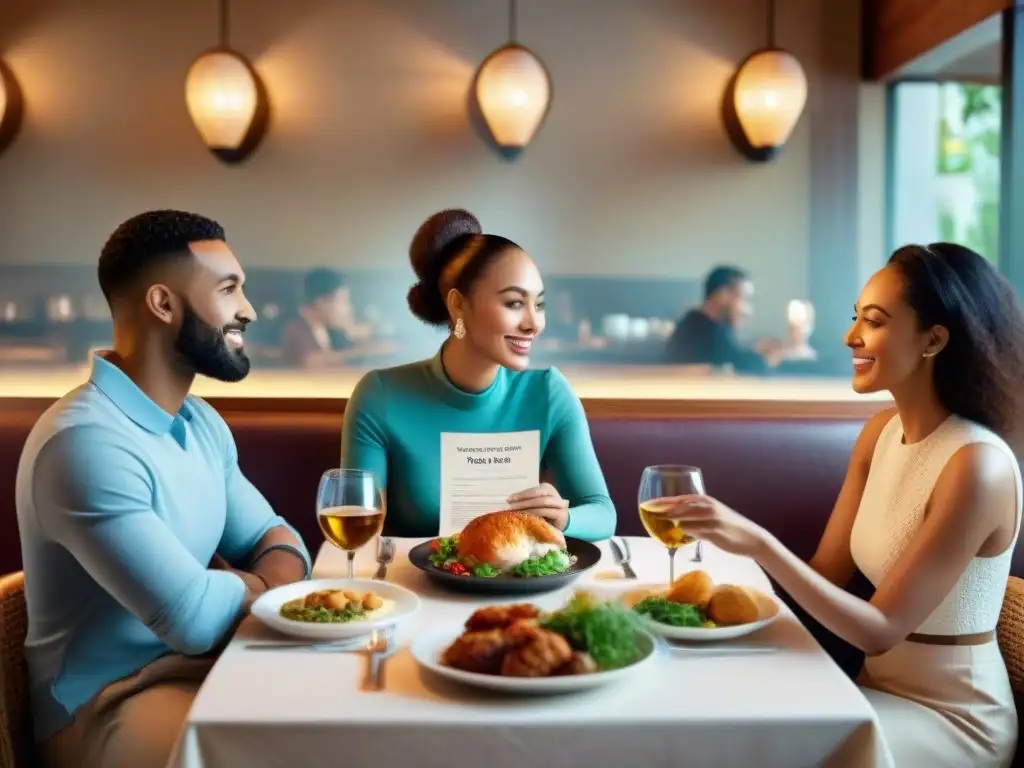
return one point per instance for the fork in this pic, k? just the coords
(622, 556)
(381, 648)
(698, 556)
(385, 555)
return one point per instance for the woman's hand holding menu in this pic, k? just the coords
(544, 501)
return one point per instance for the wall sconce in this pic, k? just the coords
(227, 100)
(764, 99)
(11, 106)
(512, 92)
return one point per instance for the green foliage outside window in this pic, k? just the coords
(970, 146)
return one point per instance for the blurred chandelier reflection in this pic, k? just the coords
(513, 93)
(226, 99)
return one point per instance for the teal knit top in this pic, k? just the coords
(395, 418)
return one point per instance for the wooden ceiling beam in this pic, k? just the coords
(896, 32)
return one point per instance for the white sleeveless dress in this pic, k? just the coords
(938, 705)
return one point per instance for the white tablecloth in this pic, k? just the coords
(293, 708)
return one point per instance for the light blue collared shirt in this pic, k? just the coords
(121, 507)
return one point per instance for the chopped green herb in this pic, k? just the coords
(486, 571)
(548, 565)
(322, 615)
(674, 614)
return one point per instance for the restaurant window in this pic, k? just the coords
(945, 165)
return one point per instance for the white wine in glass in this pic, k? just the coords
(349, 510)
(656, 485)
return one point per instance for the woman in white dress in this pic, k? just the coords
(929, 510)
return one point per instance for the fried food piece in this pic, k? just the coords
(580, 664)
(522, 631)
(339, 601)
(693, 588)
(731, 605)
(314, 599)
(504, 539)
(536, 652)
(372, 601)
(500, 616)
(481, 652)
(767, 606)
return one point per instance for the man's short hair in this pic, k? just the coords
(321, 283)
(722, 277)
(145, 241)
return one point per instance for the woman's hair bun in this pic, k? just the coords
(426, 303)
(429, 251)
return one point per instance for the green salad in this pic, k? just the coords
(548, 565)
(604, 630)
(665, 611)
(445, 556)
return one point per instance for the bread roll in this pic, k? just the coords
(767, 606)
(694, 588)
(731, 604)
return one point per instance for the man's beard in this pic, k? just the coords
(205, 350)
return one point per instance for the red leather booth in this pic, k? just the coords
(779, 465)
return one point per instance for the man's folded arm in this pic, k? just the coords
(94, 497)
(255, 539)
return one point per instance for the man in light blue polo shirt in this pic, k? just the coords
(143, 543)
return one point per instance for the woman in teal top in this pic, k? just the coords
(489, 294)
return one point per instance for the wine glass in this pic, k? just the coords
(349, 509)
(656, 484)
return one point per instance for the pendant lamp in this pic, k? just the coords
(11, 106)
(764, 99)
(512, 92)
(226, 99)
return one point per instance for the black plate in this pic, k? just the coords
(587, 556)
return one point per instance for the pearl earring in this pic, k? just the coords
(460, 329)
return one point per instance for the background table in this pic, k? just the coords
(294, 708)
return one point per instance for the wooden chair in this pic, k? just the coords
(1011, 643)
(15, 731)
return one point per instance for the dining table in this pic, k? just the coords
(789, 706)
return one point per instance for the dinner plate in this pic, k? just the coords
(400, 604)
(587, 556)
(692, 634)
(428, 647)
